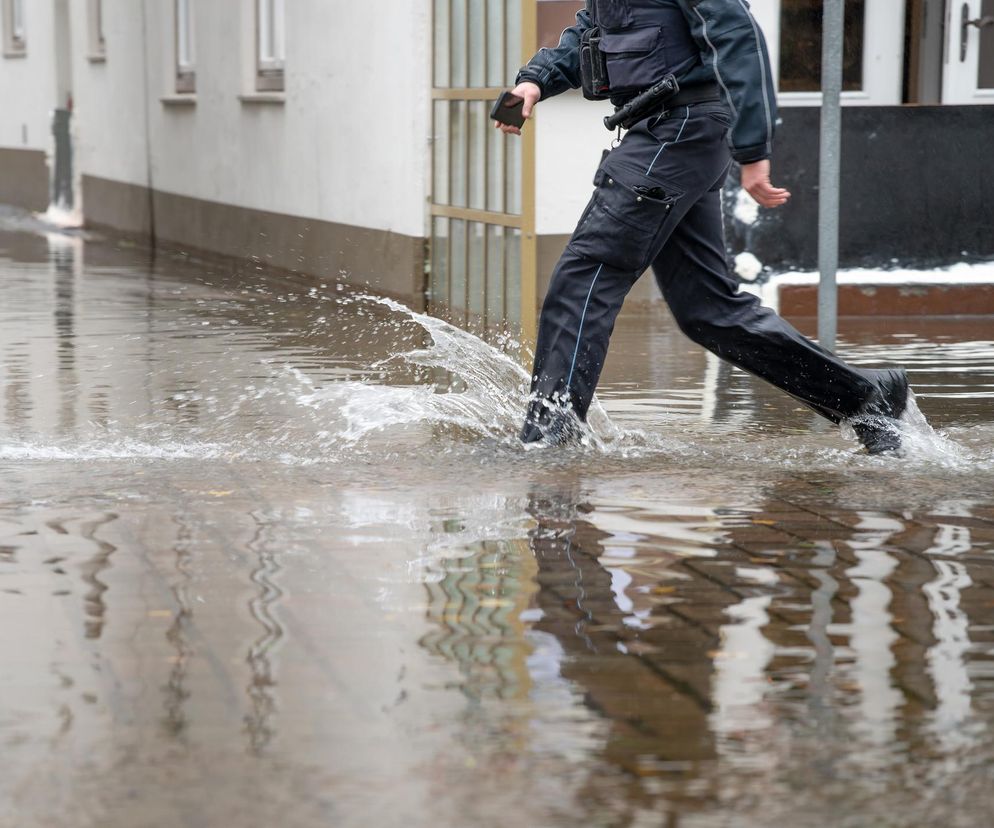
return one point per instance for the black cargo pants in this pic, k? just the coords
(657, 202)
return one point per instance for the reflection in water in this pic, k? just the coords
(946, 658)
(745, 655)
(261, 688)
(96, 610)
(871, 636)
(475, 607)
(175, 690)
(740, 683)
(66, 255)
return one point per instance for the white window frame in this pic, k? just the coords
(15, 40)
(186, 55)
(883, 54)
(95, 25)
(270, 16)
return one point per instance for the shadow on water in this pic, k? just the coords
(275, 541)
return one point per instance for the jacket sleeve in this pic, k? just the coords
(734, 48)
(556, 70)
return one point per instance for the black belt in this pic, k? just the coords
(698, 93)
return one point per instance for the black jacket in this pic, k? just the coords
(732, 52)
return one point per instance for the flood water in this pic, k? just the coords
(270, 553)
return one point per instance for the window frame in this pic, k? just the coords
(883, 54)
(97, 42)
(185, 63)
(270, 29)
(15, 38)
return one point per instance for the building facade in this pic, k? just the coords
(352, 141)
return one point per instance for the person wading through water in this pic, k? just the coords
(697, 75)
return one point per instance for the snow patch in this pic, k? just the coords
(746, 208)
(961, 273)
(748, 267)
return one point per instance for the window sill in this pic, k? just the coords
(183, 99)
(96, 58)
(263, 98)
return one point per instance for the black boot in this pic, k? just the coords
(876, 424)
(555, 424)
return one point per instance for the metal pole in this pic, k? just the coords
(828, 192)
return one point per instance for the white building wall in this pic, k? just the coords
(109, 116)
(570, 137)
(28, 86)
(347, 145)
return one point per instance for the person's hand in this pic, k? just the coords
(531, 94)
(756, 182)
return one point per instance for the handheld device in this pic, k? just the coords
(507, 110)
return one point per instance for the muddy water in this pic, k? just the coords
(269, 551)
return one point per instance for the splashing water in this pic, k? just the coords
(454, 392)
(480, 389)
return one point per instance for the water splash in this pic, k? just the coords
(477, 389)
(454, 395)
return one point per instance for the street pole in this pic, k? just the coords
(828, 171)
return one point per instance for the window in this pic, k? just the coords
(15, 40)
(95, 20)
(800, 46)
(271, 28)
(873, 49)
(186, 60)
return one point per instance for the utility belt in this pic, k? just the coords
(666, 94)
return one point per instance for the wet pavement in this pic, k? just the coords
(269, 551)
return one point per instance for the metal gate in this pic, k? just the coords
(483, 251)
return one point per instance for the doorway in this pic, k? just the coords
(950, 45)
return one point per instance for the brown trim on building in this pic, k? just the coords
(553, 17)
(893, 300)
(385, 262)
(23, 178)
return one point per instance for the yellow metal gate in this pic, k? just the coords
(483, 252)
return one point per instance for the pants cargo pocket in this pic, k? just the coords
(621, 224)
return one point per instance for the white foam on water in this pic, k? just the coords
(114, 449)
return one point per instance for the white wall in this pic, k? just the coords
(570, 137)
(348, 145)
(27, 84)
(109, 119)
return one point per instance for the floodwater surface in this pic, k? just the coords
(270, 553)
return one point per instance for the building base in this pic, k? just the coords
(387, 263)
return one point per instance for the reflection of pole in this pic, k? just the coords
(828, 192)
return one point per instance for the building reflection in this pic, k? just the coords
(839, 640)
(261, 689)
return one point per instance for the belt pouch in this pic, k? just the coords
(593, 67)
